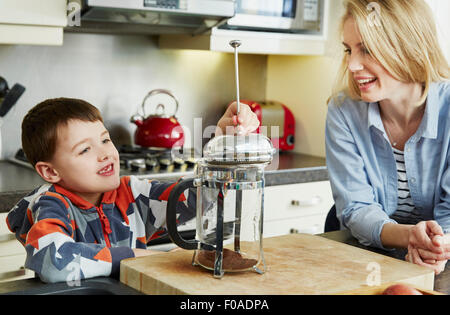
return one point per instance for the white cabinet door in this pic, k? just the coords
(32, 22)
(297, 208)
(32, 12)
(308, 224)
(297, 200)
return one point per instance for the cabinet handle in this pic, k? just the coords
(307, 203)
(314, 229)
(7, 237)
(12, 274)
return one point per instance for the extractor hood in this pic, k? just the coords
(150, 16)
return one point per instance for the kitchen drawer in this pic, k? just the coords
(11, 268)
(297, 200)
(309, 224)
(3, 227)
(12, 247)
(9, 245)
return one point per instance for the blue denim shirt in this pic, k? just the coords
(363, 172)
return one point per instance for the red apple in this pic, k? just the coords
(401, 289)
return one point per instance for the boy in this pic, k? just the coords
(86, 219)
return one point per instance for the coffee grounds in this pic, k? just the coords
(231, 260)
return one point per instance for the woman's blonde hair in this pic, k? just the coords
(401, 35)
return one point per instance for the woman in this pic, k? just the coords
(388, 131)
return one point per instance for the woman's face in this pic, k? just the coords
(374, 82)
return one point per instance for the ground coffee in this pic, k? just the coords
(231, 260)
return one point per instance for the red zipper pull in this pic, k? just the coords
(105, 224)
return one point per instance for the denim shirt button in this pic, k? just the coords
(413, 180)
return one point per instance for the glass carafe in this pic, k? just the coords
(230, 205)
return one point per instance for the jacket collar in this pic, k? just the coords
(107, 198)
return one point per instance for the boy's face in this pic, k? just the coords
(86, 160)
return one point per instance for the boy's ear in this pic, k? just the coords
(47, 172)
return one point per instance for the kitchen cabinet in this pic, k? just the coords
(32, 22)
(12, 255)
(297, 208)
(254, 42)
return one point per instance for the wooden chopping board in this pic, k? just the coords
(296, 264)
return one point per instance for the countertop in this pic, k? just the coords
(287, 168)
(111, 286)
(441, 281)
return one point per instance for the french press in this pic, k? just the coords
(230, 203)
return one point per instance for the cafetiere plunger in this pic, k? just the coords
(235, 44)
(237, 225)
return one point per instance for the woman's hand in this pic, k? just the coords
(428, 246)
(414, 257)
(422, 236)
(444, 242)
(247, 120)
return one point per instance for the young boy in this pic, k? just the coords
(86, 219)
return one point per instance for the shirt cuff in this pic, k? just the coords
(117, 254)
(377, 234)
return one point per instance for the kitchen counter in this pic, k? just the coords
(287, 168)
(111, 286)
(441, 281)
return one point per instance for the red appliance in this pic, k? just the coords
(275, 114)
(158, 130)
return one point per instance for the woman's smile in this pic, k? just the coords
(366, 84)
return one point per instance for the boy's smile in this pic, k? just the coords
(107, 170)
(85, 161)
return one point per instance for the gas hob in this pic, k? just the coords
(156, 162)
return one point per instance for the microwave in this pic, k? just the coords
(284, 16)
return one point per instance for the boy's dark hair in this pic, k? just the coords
(40, 125)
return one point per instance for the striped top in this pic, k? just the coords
(406, 212)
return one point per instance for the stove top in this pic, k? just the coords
(144, 162)
(156, 162)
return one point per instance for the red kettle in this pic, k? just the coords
(158, 130)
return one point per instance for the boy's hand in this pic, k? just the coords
(247, 119)
(139, 252)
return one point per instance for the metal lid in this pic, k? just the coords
(237, 149)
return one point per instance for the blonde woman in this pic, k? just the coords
(388, 131)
